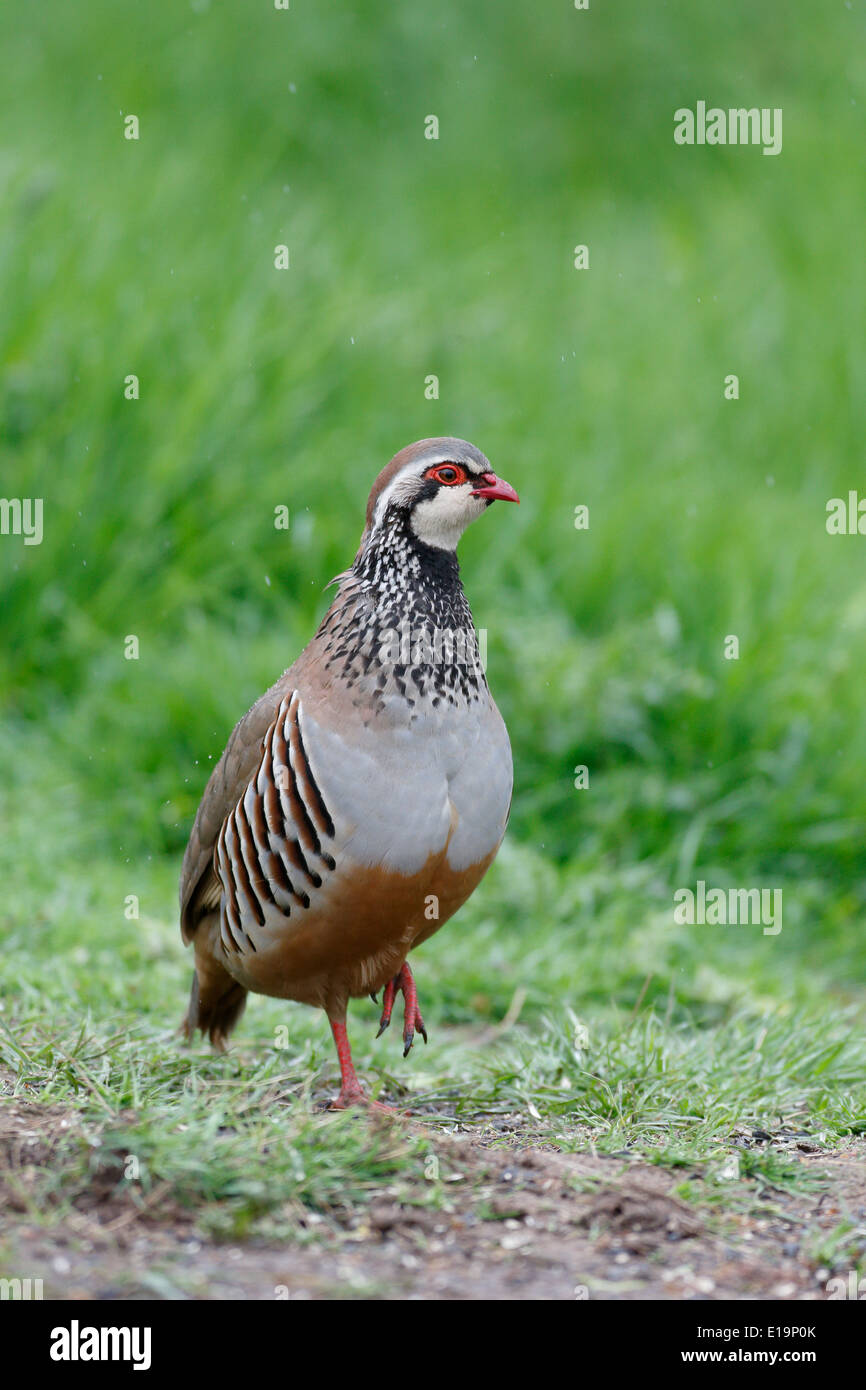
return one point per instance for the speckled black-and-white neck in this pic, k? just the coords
(401, 623)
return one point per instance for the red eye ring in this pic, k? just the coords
(448, 474)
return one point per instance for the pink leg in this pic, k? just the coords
(389, 994)
(350, 1087)
(412, 1021)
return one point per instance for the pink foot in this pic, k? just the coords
(345, 1102)
(412, 1020)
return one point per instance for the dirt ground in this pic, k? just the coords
(516, 1226)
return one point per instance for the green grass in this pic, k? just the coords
(603, 387)
(239, 1144)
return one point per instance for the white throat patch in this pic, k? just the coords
(441, 520)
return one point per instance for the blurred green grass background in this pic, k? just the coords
(601, 387)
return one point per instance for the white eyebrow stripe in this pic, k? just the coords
(416, 469)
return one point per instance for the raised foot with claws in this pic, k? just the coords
(412, 1021)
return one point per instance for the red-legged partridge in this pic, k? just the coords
(363, 797)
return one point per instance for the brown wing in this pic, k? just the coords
(200, 889)
(199, 886)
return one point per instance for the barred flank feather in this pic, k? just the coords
(269, 851)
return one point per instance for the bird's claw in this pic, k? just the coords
(413, 1022)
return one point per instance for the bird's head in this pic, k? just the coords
(440, 485)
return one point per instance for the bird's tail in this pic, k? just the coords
(214, 1009)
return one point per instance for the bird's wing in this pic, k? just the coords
(199, 886)
(274, 850)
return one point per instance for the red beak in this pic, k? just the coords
(495, 488)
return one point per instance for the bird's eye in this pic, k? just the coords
(448, 473)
